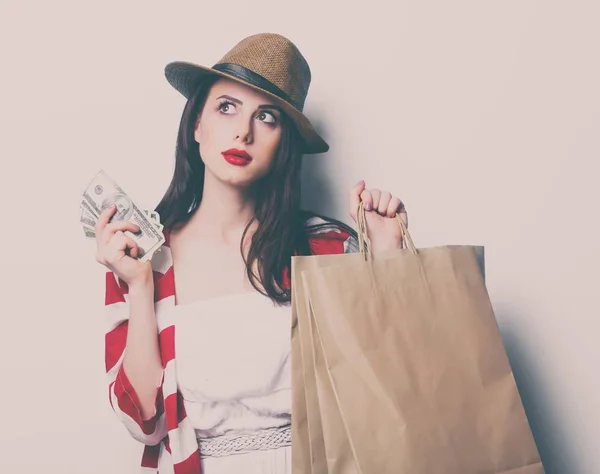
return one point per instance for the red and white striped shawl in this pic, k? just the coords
(170, 426)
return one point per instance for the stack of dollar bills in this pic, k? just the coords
(101, 193)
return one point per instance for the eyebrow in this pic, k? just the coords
(262, 106)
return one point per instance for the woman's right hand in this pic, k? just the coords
(118, 252)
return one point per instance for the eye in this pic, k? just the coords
(227, 107)
(267, 117)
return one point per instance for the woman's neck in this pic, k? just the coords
(223, 213)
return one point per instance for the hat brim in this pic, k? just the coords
(185, 77)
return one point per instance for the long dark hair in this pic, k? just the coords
(282, 229)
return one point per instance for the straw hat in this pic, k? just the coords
(267, 62)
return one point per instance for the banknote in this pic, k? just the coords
(101, 193)
(89, 233)
(88, 222)
(87, 219)
(155, 218)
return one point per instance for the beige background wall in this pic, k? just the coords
(483, 116)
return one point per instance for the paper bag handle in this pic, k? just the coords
(361, 223)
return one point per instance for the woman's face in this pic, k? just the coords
(236, 120)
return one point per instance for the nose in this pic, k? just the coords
(244, 130)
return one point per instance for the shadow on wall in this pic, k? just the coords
(553, 444)
(318, 188)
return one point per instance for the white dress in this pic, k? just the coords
(233, 371)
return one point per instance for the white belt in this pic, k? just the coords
(226, 445)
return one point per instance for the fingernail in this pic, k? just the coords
(362, 181)
(368, 206)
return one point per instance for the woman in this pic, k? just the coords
(232, 223)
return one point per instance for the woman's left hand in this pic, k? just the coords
(381, 208)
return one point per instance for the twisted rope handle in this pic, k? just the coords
(361, 223)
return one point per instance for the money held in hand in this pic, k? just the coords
(102, 193)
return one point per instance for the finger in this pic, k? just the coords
(134, 251)
(393, 207)
(354, 198)
(104, 218)
(113, 227)
(117, 242)
(121, 243)
(132, 248)
(367, 199)
(384, 202)
(109, 252)
(376, 195)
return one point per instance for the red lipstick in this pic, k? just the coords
(236, 157)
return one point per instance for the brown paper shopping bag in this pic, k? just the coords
(417, 365)
(313, 399)
(307, 436)
(313, 395)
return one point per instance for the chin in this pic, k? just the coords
(238, 181)
(238, 177)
